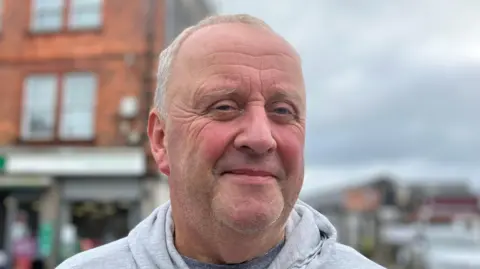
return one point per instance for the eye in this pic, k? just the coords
(283, 110)
(224, 107)
(224, 110)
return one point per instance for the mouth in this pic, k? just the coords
(248, 176)
(249, 172)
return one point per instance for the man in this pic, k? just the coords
(228, 129)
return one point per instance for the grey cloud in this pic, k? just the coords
(428, 114)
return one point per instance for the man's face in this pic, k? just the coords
(233, 138)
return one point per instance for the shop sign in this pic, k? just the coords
(3, 163)
(45, 239)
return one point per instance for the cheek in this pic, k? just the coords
(290, 146)
(213, 141)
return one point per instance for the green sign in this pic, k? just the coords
(3, 163)
(45, 239)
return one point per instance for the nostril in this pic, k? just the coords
(248, 150)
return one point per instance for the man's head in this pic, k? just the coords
(228, 127)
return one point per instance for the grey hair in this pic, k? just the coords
(167, 56)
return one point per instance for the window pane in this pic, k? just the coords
(47, 20)
(47, 15)
(1, 14)
(40, 96)
(41, 4)
(78, 106)
(85, 14)
(77, 125)
(82, 3)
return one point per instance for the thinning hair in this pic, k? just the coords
(167, 56)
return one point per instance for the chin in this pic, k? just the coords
(248, 216)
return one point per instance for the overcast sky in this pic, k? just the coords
(391, 86)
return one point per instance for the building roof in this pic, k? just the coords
(425, 186)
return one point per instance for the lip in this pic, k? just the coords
(250, 172)
(249, 177)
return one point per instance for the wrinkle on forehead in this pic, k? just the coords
(238, 38)
(260, 62)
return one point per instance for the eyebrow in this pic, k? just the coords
(281, 94)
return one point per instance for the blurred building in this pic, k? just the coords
(356, 208)
(77, 84)
(361, 210)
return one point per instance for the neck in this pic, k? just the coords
(217, 244)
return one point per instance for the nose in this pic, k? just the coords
(256, 136)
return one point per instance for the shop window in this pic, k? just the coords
(99, 223)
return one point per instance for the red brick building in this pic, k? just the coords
(77, 80)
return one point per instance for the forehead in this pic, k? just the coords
(237, 56)
(237, 44)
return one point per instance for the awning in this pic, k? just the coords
(12, 182)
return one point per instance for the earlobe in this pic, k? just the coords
(156, 134)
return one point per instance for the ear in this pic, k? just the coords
(156, 135)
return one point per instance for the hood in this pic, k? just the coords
(151, 241)
(309, 236)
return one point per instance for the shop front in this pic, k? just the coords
(93, 196)
(97, 211)
(20, 212)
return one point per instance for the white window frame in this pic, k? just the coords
(36, 12)
(63, 134)
(2, 5)
(27, 133)
(74, 11)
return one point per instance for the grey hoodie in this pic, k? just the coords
(150, 245)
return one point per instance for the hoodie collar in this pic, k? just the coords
(308, 236)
